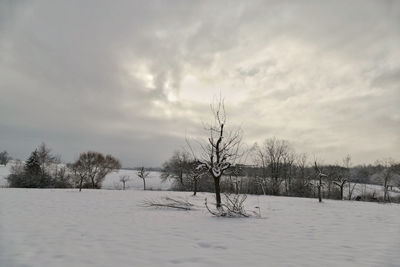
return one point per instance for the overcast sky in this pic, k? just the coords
(134, 78)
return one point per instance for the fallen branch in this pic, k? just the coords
(179, 202)
(168, 202)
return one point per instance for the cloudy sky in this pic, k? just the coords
(134, 78)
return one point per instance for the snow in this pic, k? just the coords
(57, 227)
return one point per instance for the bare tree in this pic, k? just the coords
(340, 181)
(4, 158)
(92, 167)
(237, 171)
(303, 179)
(124, 179)
(221, 150)
(274, 156)
(276, 151)
(302, 162)
(260, 160)
(262, 183)
(386, 174)
(320, 175)
(234, 173)
(351, 184)
(79, 174)
(142, 173)
(288, 161)
(182, 169)
(194, 175)
(178, 167)
(396, 169)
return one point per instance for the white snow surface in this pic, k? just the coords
(57, 227)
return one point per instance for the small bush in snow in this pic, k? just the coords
(232, 206)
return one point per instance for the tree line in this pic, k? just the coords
(275, 169)
(221, 163)
(43, 169)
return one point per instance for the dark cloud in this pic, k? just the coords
(135, 78)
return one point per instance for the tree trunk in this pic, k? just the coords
(263, 189)
(349, 191)
(319, 194)
(217, 191)
(144, 184)
(80, 184)
(195, 187)
(123, 187)
(181, 178)
(341, 192)
(93, 183)
(319, 190)
(385, 189)
(231, 184)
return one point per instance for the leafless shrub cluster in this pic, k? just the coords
(232, 207)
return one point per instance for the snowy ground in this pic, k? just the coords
(54, 227)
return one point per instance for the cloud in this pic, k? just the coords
(135, 78)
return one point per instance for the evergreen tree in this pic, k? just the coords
(34, 176)
(32, 165)
(40, 171)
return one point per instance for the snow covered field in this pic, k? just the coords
(54, 227)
